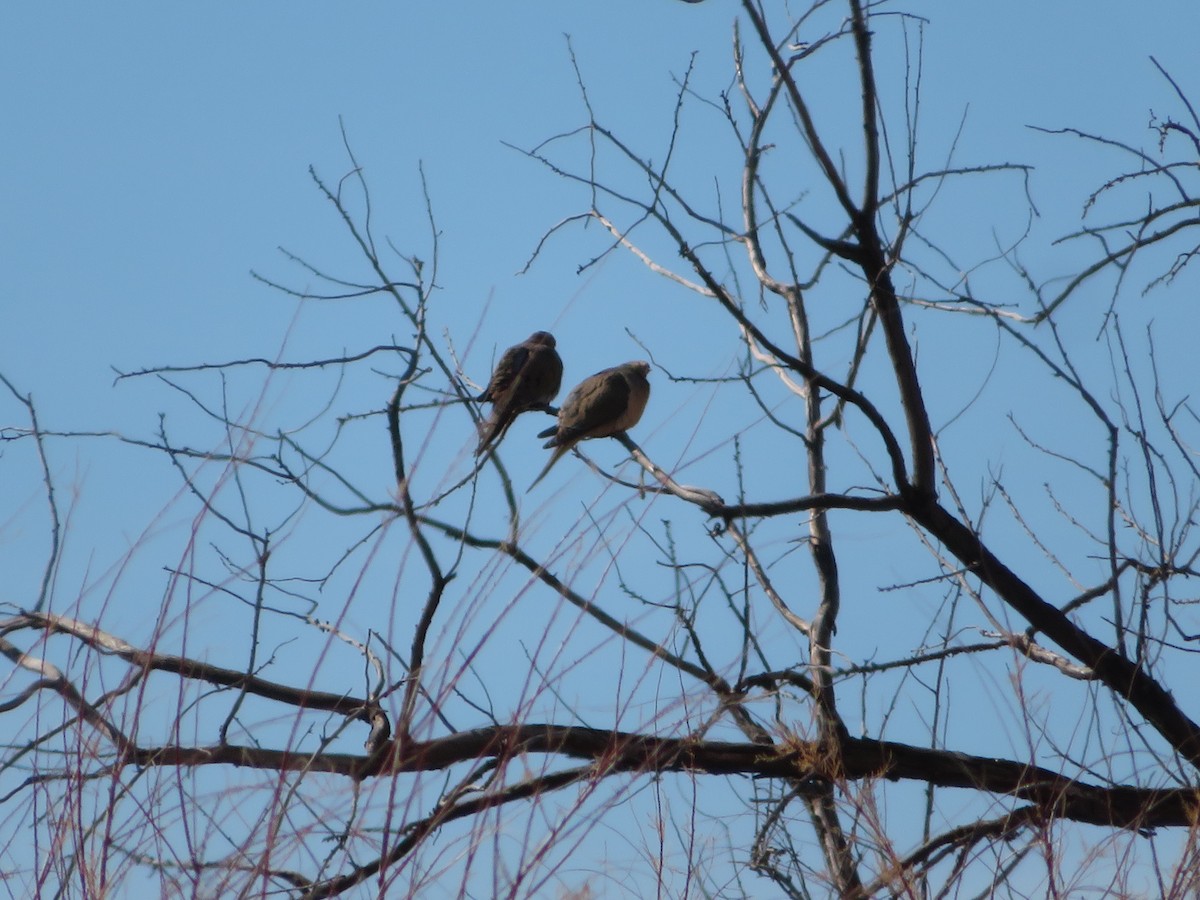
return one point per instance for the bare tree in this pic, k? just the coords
(812, 643)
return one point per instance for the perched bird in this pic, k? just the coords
(602, 405)
(528, 376)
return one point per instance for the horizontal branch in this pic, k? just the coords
(1056, 795)
(269, 363)
(801, 504)
(188, 668)
(713, 504)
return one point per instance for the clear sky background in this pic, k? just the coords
(152, 155)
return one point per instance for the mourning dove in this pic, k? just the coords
(602, 405)
(528, 376)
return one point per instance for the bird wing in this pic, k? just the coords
(540, 378)
(594, 408)
(501, 391)
(510, 365)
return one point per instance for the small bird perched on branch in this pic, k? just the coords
(528, 376)
(601, 405)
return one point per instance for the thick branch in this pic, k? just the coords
(612, 751)
(1129, 681)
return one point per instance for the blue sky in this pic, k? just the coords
(153, 155)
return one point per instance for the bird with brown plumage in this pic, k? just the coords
(527, 377)
(604, 404)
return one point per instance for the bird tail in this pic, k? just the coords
(555, 457)
(491, 431)
(486, 435)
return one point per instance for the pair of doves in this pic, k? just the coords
(529, 375)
